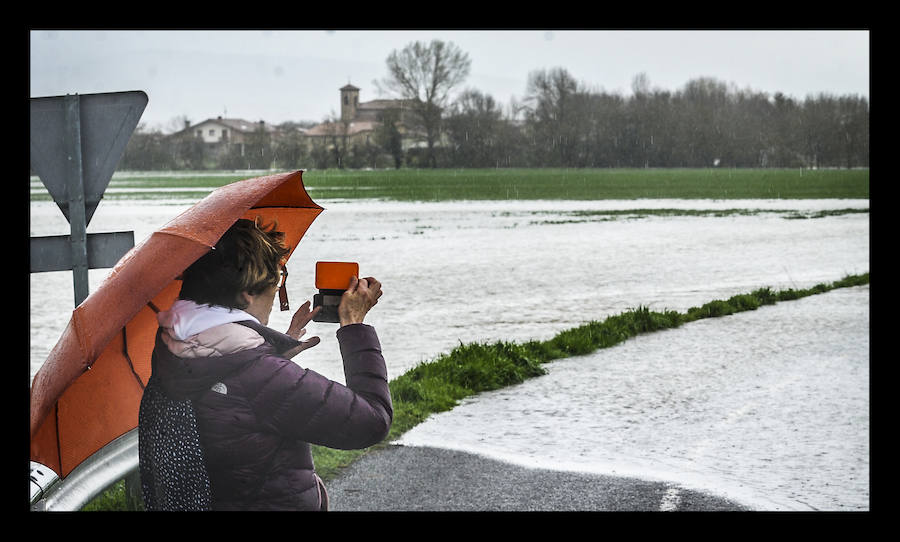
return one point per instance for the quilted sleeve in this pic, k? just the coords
(303, 404)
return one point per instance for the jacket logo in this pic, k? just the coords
(218, 387)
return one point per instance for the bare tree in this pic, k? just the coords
(557, 116)
(425, 74)
(474, 129)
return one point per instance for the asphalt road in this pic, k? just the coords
(412, 478)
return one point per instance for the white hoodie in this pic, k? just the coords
(191, 330)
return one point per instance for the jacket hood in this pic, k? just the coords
(185, 366)
(186, 318)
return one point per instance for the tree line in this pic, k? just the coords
(560, 122)
(707, 123)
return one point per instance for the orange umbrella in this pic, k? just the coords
(88, 391)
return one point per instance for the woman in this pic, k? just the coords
(227, 419)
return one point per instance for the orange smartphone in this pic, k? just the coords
(332, 279)
(335, 275)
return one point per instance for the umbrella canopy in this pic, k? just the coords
(88, 391)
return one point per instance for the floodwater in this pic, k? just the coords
(689, 405)
(769, 408)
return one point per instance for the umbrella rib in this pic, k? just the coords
(184, 235)
(128, 357)
(58, 446)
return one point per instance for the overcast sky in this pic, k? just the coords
(279, 76)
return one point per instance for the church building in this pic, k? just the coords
(359, 121)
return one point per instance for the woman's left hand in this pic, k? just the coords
(298, 328)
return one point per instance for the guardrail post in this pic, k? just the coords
(134, 500)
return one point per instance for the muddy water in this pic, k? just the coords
(474, 271)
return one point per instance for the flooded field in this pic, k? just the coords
(464, 272)
(518, 270)
(769, 408)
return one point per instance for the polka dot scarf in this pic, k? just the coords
(173, 474)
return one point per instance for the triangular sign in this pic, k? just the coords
(107, 121)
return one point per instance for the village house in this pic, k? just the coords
(221, 131)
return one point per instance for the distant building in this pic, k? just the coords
(357, 126)
(359, 121)
(219, 132)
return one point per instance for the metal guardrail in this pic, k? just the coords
(95, 474)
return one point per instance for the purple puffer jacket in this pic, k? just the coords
(257, 414)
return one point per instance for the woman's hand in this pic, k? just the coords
(298, 328)
(361, 296)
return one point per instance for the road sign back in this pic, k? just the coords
(105, 123)
(76, 143)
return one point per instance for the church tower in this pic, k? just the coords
(349, 102)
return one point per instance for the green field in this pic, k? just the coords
(518, 184)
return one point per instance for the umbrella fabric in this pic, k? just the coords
(88, 390)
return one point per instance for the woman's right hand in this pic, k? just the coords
(361, 296)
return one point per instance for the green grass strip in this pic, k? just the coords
(523, 184)
(588, 184)
(439, 385)
(468, 369)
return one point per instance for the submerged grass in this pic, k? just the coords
(469, 369)
(603, 215)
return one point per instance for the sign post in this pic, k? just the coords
(75, 185)
(76, 143)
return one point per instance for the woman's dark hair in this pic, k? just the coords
(248, 257)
